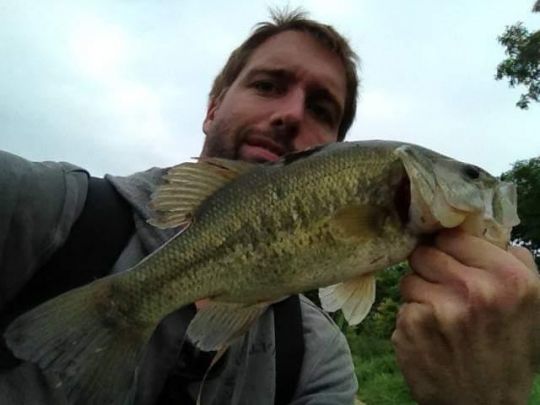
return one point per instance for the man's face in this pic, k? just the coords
(289, 96)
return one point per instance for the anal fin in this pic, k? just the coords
(219, 323)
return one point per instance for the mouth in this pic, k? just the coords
(402, 200)
(258, 148)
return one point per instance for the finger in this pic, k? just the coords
(415, 324)
(414, 288)
(436, 266)
(470, 250)
(449, 303)
(523, 255)
(409, 314)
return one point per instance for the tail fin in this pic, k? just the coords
(76, 337)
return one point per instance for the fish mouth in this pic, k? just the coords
(402, 200)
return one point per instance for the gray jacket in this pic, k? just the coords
(39, 202)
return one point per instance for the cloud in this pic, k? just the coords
(120, 86)
(97, 48)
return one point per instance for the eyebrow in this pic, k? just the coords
(320, 92)
(276, 73)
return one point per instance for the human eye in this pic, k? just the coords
(322, 113)
(267, 86)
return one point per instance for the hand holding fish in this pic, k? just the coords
(466, 333)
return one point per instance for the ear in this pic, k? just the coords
(213, 105)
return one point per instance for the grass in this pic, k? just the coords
(379, 379)
(535, 395)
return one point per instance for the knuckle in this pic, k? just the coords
(465, 293)
(395, 339)
(530, 291)
(524, 255)
(412, 318)
(400, 317)
(481, 295)
(521, 286)
(454, 318)
(491, 295)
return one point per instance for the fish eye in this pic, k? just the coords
(472, 172)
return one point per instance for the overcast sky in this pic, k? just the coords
(118, 86)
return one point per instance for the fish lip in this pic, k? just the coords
(267, 143)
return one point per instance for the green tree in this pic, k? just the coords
(526, 175)
(522, 66)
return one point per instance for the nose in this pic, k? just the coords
(286, 121)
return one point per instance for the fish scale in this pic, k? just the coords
(250, 227)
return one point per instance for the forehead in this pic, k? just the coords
(304, 56)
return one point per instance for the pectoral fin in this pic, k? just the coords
(218, 324)
(358, 221)
(354, 297)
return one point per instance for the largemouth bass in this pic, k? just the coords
(328, 217)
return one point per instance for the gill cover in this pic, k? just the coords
(446, 193)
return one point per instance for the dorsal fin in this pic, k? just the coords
(187, 185)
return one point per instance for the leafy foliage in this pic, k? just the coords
(526, 175)
(522, 67)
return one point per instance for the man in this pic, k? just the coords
(467, 334)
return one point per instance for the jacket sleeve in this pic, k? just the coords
(327, 376)
(39, 202)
